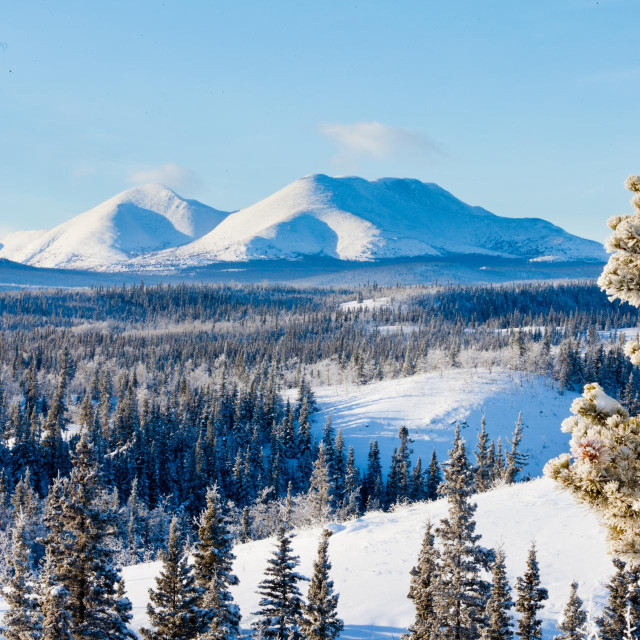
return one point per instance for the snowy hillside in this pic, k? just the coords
(355, 219)
(136, 221)
(372, 557)
(430, 405)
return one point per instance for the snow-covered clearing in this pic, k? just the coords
(372, 557)
(430, 405)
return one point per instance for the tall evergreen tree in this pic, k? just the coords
(85, 568)
(56, 621)
(173, 609)
(530, 599)
(320, 492)
(498, 611)
(516, 460)
(573, 624)
(320, 613)
(482, 470)
(463, 591)
(213, 559)
(22, 620)
(612, 623)
(435, 478)
(424, 590)
(281, 604)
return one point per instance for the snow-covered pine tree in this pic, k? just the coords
(573, 624)
(463, 592)
(424, 590)
(22, 619)
(320, 494)
(530, 599)
(499, 624)
(482, 470)
(281, 602)
(351, 505)
(372, 488)
(85, 567)
(612, 623)
(173, 607)
(56, 621)
(435, 478)
(516, 460)
(320, 613)
(212, 561)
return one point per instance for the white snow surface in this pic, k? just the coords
(430, 405)
(355, 219)
(136, 221)
(372, 557)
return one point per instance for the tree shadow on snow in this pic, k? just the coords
(370, 632)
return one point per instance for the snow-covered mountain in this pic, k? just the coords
(137, 221)
(345, 219)
(355, 219)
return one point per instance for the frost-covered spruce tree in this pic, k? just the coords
(516, 460)
(573, 625)
(85, 566)
(482, 471)
(463, 591)
(320, 494)
(281, 603)
(499, 624)
(435, 478)
(22, 620)
(424, 590)
(320, 613)
(529, 600)
(612, 623)
(173, 607)
(56, 621)
(212, 561)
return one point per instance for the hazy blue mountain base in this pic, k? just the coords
(315, 271)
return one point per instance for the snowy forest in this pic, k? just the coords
(144, 424)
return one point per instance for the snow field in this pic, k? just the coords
(372, 557)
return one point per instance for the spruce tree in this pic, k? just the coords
(612, 623)
(85, 566)
(498, 611)
(572, 626)
(56, 621)
(320, 494)
(173, 609)
(424, 590)
(516, 460)
(482, 471)
(463, 591)
(435, 478)
(529, 600)
(22, 620)
(320, 613)
(212, 560)
(281, 603)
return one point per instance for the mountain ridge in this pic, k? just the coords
(152, 228)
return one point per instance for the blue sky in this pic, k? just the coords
(526, 107)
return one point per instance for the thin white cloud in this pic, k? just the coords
(377, 140)
(170, 175)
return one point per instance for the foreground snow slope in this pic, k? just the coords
(355, 219)
(430, 405)
(136, 221)
(372, 557)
